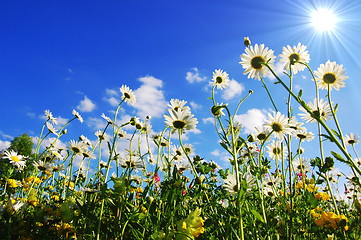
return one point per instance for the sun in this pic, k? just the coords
(323, 20)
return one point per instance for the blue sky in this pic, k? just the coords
(64, 55)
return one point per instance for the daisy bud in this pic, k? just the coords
(246, 41)
(200, 179)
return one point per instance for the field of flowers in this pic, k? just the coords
(271, 191)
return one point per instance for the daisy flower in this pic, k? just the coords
(121, 133)
(42, 166)
(278, 124)
(246, 41)
(128, 95)
(182, 165)
(220, 79)
(188, 148)
(275, 150)
(304, 135)
(15, 159)
(131, 161)
(330, 75)
(269, 191)
(351, 139)
(107, 118)
(295, 56)
(301, 165)
(180, 120)
(176, 104)
(272, 180)
(77, 147)
(102, 136)
(77, 115)
(217, 110)
(230, 183)
(49, 116)
(321, 110)
(261, 133)
(51, 128)
(253, 61)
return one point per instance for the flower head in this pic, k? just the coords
(301, 165)
(15, 159)
(254, 59)
(320, 110)
(278, 124)
(77, 115)
(351, 139)
(128, 95)
(294, 57)
(180, 120)
(49, 116)
(176, 104)
(330, 75)
(51, 128)
(220, 79)
(276, 151)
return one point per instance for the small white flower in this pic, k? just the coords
(77, 115)
(15, 159)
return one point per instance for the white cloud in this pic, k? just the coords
(6, 136)
(195, 106)
(31, 114)
(278, 68)
(150, 97)
(193, 76)
(86, 105)
(4, 145)
(216, 152)
(208, 120)
(252, 118)
(96, 123)
(232, 90)
(112, 97)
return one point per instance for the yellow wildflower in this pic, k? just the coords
(13, 183)
(322, 195)
(332, 220)
(191, 227)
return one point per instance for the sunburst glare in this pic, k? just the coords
(323, 20)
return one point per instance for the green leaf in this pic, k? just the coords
(257, 215)
(329, 163)
(338, 157)
(300, 94)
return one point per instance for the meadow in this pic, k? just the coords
(270, 191)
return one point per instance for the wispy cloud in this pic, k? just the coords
(96, 123)
(233, 89)
(112, 97)
(195, 106)
(193, 76)
(86, 105)
(5, 136)
(150, 97)
(252, 118)
(4, 145)
(208, 120)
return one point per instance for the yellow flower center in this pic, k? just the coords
(126, 95)
(294, 57)
(257, 61)
(276, 127)
(15, 158)
(329, 78)
(276, 151)
(219, 79)
(179, 124)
